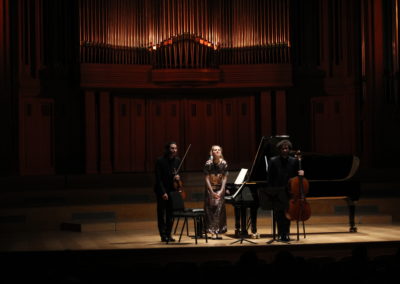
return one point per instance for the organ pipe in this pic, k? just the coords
(184, 33)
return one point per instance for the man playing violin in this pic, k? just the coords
(281, 168)
(165, 174)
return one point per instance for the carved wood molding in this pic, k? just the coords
(106, 76)
(186, 75)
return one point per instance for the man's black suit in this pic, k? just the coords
(280, 170)
(165, 172)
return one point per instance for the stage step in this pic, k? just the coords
(338, 219)
(344, 219)
(120, 216)
(88, 226)
(130, 225)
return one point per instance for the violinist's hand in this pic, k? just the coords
(300, 173)
(165, 196)
(177, 177)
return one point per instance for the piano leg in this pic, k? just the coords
(352, 214)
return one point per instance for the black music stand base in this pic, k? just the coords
(241, 240)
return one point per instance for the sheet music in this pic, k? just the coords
(240, 177)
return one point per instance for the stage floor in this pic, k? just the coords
(114, 256)
(385, 238)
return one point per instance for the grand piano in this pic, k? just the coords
(329, 176)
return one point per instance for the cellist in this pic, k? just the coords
(165, 171)
(280, 169)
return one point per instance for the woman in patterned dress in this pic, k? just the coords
(216, 173)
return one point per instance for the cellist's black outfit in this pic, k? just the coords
(280, 170)
(164, 171)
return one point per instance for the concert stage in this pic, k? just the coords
(142, 239)
(115, 254)
(34, 247)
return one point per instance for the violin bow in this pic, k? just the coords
(183, 159)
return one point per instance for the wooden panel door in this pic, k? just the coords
(129, 134)
(164, 125)
(36, 137)
(245, 147)
(229, 133)
(137, 135)
(330, 126)
(201, 126)
(122, 128)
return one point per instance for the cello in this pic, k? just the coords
(299, 208)
(178, 185)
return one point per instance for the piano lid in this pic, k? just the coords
(266, 150)
(316, 166)
(324, 167)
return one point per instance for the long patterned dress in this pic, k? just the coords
(215, 208)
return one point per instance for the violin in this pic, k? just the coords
(299, 208)
(178, 184)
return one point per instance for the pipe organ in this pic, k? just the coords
(184, 33)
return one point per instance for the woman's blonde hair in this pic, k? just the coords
(222, 156)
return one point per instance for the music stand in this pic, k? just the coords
(239, 180)
(273, 198)
(241, 237)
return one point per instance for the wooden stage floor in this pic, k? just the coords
(115, 256)
(332, 240)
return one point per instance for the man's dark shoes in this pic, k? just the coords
(164, 239)
(171, 239)
(284, 238)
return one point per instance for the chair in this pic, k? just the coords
(179, 211)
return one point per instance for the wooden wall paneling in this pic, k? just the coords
(211, 125)
(155, 131)
(246, 131)
(122, 128)
(47, 136)
(125, 76)
(343, 124)
(200, 130)
(229, 134)
(115, 76)
(324, 35)
(8, 104)
(319, 119)
(336, 126)
(5, 49)
(91, 128)
(265, 113)
(281, 119)
(376, 71)
(36, 136)
(164, 125)
(137, 135)
(105, 128)
(194, 133)
(28, 155)
(333, 125)
(173, 124)
(350, 123)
